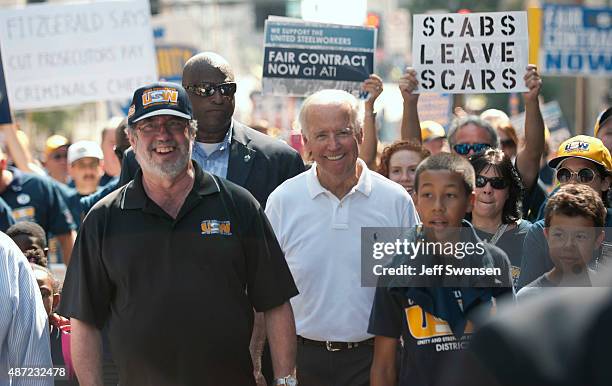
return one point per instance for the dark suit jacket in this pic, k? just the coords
(257, 162)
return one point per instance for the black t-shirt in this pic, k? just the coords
(511, 242)
(178, 293)
(428, 341)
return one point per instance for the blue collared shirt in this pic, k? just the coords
(216, 162)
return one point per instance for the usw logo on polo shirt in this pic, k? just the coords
(216, 227)
(159, 95)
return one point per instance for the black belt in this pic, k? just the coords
(335, 346)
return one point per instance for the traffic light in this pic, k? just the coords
(373, 20)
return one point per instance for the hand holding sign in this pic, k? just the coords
(374, 87)
(408, 84)
(533, 81)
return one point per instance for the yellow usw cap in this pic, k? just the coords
(586, 147)
(431, 130)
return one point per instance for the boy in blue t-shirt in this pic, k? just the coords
(432, 314)
(574, 220)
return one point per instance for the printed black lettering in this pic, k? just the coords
(428, 24)
(444, 33)
(444, 85)
(509, 78)
(507, 23)
(486, 77)
(428, 75)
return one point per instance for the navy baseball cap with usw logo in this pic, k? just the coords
(162, 98)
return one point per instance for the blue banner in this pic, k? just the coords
(576, 40)
(5, 110)
(308, 35)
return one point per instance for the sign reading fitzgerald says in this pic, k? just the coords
(471, 53)
(301, 58)
(62, 54)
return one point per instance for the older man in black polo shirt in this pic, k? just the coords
(175, 261)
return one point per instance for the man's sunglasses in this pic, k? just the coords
(207, 90)
(496, 182)
(583, 176)
(464, 148)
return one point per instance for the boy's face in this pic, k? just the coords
(50, 299)
(442, 201)
(571, 241)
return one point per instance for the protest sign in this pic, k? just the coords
(301, 58)
(553, 119)
(5, 109)
(470, 53)
(576, 40)
(435, 107)
(62, 54)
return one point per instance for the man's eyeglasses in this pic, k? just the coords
(496, 182)
(207, 90)
(464, 148)
(583, 176)
(507, 143)
(174, 126)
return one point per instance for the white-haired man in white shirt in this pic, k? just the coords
(317, 217)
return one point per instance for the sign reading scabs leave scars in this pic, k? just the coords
(471, 53)
(301, 58)
(63, 54)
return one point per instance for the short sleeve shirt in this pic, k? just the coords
(35, 198)
(178, 293)
(6, 216)
(511, 242)
(427, 340)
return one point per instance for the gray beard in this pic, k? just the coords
(167, 169)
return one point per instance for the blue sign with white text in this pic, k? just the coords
(576, 40)
(5, 110)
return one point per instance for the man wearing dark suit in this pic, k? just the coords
(224, 146)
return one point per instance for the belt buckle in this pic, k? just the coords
(329, 347)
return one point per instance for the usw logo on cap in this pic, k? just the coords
(577, 146)
(159, 95)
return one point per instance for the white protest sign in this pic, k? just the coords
(470, 53)
(63, 54)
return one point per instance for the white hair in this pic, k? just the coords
(333, 98)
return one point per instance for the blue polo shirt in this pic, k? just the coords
(35, 198)
(6, 217)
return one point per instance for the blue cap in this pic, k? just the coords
(162, 98)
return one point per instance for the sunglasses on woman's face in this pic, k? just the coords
(496, 182)
(583, 176)
(464, 148)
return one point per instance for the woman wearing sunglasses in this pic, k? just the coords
(496, 215)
